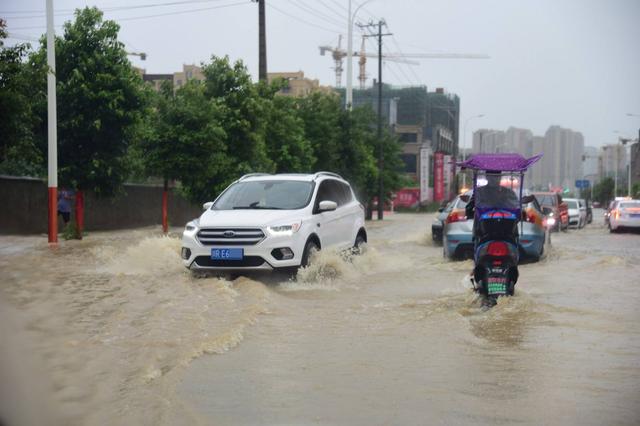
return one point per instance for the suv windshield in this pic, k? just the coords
(266, 195)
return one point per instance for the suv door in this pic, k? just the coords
(328, 223)
(348, 215)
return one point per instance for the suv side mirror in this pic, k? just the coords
(207, 206)
(547, 211)
(527, 199)
(440, 210)
(326, 206)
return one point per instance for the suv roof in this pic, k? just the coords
(307, 177)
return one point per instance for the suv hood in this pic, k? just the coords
(250, 218)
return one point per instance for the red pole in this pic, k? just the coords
(165, 197)
(79, 214)
(53, 214)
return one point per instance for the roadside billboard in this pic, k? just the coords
(438, 176)
(424, 175)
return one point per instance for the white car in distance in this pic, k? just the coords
(271, 222)
(577, 213)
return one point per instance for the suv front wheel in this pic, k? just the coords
(309, 250)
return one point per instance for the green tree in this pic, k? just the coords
(100, 98)
(243, 113)
(19, 152)
(285, 138)
(187, 142)
(322, 117)
(603, 191)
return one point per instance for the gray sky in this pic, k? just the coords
(575, 63)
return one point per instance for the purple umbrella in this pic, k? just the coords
(499, 162)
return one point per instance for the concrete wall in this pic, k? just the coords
(24, 207)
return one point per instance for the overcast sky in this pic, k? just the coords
(575, 63)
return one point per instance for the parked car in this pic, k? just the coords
(533, 230)
(607, 212)
(624, 215)
(438, 222)
(589, 209)
(577, 213)
(267, 222)
(458, 231)
(554, 207)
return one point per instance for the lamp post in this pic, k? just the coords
(52, 128)
(464, 140)
(350, 19)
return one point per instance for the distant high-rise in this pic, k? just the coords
(563, 149)
(488, 141)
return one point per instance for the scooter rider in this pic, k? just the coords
(491, 195)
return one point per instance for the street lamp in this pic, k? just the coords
(464, 142)
(350, 19)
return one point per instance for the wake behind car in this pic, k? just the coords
(267, 222)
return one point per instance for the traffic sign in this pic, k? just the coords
(582, 183)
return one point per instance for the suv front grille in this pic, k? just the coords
(246, 262)
(230, 236)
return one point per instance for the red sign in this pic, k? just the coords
(407, 197)
(438, 176)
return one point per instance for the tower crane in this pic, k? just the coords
(338, 54)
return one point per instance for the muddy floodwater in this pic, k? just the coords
(113, 330)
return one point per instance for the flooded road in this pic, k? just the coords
(118, 332)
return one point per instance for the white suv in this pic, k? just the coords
(266, 222)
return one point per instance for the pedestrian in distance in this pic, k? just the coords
(64, 204)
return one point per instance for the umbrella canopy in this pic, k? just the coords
(499, 162)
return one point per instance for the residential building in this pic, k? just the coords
(297, 84)
(488, 141)
(563, 149)
(177, 79)
(613, 159)
(426, 123)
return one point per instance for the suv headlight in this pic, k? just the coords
(191, 227)
(284, 230)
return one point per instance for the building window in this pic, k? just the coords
(410, 163)
(179, 83)
(408, 137)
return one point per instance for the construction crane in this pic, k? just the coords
(338, 55)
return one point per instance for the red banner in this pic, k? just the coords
(407, 197)
(438, 176)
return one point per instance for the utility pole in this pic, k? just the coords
(379, 24)
(262, 41)
(52, 128)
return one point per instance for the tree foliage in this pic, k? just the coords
(100, 98)
(603, 191)
(203, 135)
(19, 153)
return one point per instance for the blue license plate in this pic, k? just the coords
(227, 254)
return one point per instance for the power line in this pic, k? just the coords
(315, 13)
(340, 14)
(133, 18)
(40, 13)
(297, 18)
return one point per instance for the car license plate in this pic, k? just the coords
(227, 254)
(496, 285)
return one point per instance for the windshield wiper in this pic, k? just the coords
(256, 208)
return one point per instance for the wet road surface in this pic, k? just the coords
(121, 333)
